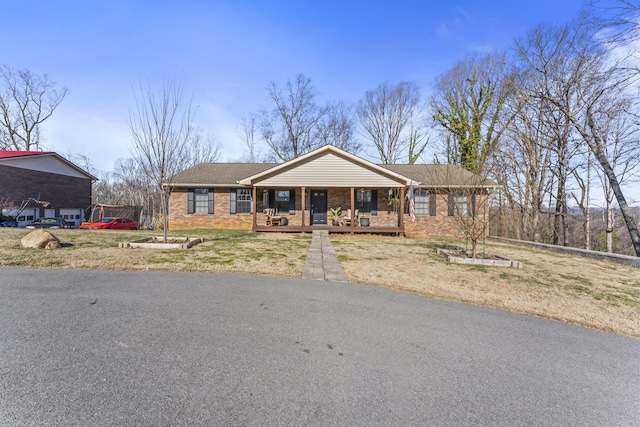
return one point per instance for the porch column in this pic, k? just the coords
(401, 213)
(255, 206)
(353, 211)
(302, 204)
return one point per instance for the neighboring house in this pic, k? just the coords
(36, 184)
(303, 190)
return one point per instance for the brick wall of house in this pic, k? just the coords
(441, 224)
(221, 218)
(64, 192)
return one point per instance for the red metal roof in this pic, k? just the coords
(5, 154)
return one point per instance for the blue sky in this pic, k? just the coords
(227, 52)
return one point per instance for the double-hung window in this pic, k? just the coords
(241, 201)
(200, 201)
(421, 200)
(459, 203)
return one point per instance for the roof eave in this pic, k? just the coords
(200, 185)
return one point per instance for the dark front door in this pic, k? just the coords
(318, 207)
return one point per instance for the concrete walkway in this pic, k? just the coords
(322, 262)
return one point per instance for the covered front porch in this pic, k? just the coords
(302, 194)
(335, 209)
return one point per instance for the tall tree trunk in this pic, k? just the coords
(560, 223)
(610, 225)
(595, 144)
(587, 219)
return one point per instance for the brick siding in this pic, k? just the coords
(440, 225)
(64, 192)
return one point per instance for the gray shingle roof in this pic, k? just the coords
(440, 175)
(218, 174)
(228, 175)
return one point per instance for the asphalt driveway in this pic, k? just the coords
(80, 347)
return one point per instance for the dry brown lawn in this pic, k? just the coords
(225, 251)
(595, 294)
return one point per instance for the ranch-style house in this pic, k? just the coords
(326, 189)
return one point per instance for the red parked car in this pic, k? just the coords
(111, 224)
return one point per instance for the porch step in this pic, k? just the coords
(322, 262)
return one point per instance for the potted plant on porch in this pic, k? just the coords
(336, 215)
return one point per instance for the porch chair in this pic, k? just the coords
(347, 218)
(270, 217)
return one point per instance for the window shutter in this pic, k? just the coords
(292, 201)
(190, 202)
(451, 207)
(232, 201)
(374, 202)
(432, 204)
(211, 200)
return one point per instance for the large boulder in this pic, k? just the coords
(40, 239)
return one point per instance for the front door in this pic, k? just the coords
(318, 207)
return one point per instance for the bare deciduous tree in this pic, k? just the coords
(161, 129)
(523, 163)
(247, 131)
(618, 20)
(201, 149)
(26, 101)
(290, 127)
(620, 137)
(384, 114)
(583, 197)
(586, 85)
(336, 127)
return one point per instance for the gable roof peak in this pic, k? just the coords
(320, 152)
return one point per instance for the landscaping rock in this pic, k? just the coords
(40, 239)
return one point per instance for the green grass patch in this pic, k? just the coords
(535, 282)
(475, 267)
(54, 263)
(622, 299)
(582, 280)
(580, 289)
(217, 260)
(631, 282)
